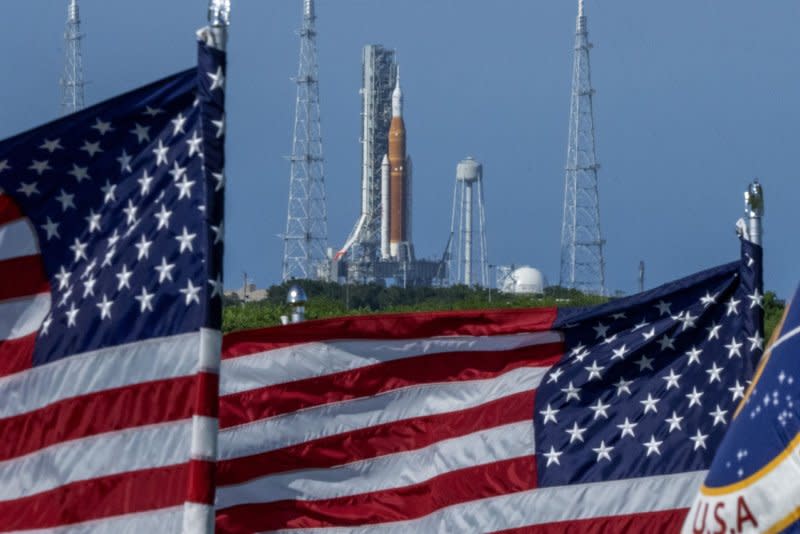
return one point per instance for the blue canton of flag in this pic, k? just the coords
(649, 383)
(754, 482)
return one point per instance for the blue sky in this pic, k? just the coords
(694, 99)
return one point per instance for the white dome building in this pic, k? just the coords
(524, 280)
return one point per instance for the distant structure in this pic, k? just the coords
(523, 280)
(380, 247)
(467, 224)
(582, 262)
(641, 276)
(306, 238)
(72, 83)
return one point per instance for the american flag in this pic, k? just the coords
(110, 261)
(544, 420)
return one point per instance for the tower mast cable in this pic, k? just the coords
(72, 83)
(306, 237)
(582, 261)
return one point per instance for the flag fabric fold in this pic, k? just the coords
(110, 261)
(602, 419)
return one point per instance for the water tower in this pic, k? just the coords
(468, 263)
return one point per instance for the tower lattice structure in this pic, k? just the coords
(72, 83)
(306, 237)
(582, 262)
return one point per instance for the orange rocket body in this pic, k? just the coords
(397, 184)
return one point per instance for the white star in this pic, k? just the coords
(109, 192)
(756, 342)
(191, 292)
(653, 445)
(575, 433)
(610, 340)
(733, 307)
(163, 217)
(623, 385)
(220, 178)
(601, 330)
(145, 300)
(603, 451)
(164, 270)
(650, 334)
(178, 124)
(102, 127)
(46, 324)
(699, 440)
(80, 173)
(216, 287)
(125, 162)
(79, 249)
(88, 286)
(194, 143)
(91, 148)
(4, 165)
(144, 247)
(694, 355)
(666, 342)
(719, 416)
(185, 239)
(66, 200)
(594, 371)
(672, 380)
(124, 277)
(756, 299)
(40, 166)
(72, 315)
(51, 228)
(219, 232)
(142, 133)
(619, 353)
(552, 456)
(708, 299)
(572, 392)
(644, 363)
(554, 376)
(713, 331)
(674, 422)
(582, 355)
(714, 373)
(217, 79)
(619, 316)
(663, 307)
(737, 391)
(112, 240)
(63, 278)
(734, 348)
(688, 320)
(94, 221)
(627, 428)
(107, 260)
(28, 189)
(161, 153)
(549, 414)
(52, 146)
(650, 404)
(65, 297)
(640, 325)
(144, 181)
(130, 212)
(153, 111)
(220, 124)
(177, 171)
(600, 409)
(184, 188)
(105, 307)
(694, 397)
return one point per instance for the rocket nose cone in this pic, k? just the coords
(385, 159)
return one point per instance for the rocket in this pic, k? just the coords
(399, 181)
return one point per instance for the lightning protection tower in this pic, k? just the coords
(463, 223)
(582, 263)
(306, 237)
(72, 83)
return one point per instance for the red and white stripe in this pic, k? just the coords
(116, 440)
(406, 423)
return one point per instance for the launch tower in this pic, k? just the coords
(306, 237)
(582, 263)
(72, 83)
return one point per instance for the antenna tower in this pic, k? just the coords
(72, 83)
(306, 237)
(582, 263)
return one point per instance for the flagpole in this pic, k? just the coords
(754, 208)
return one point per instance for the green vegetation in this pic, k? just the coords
(335, 300)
